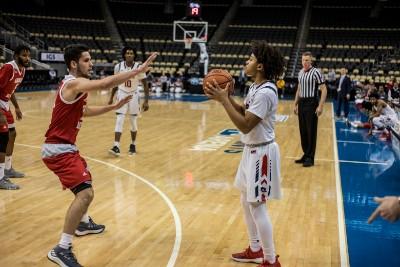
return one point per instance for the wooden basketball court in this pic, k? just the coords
(168, 205)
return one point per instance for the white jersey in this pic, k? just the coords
(131, 84)
(262, 101)
(388, 111)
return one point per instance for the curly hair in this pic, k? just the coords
(125, 49)
(271, 58)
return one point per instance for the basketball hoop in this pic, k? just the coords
(188, 43)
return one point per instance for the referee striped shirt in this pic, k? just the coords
(309, 82)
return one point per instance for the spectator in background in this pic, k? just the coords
(381, 92)
(394, 92)
(164, 82)
(331, 79)
(150, 79)
(242, 79)
(343, 91)
(280, 84)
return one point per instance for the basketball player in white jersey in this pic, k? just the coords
(258, 175)
(383, 116)
(130, 87)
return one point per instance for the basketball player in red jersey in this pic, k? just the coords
(11, 75)
(60, 153)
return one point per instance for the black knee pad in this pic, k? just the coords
(12, 131)
(81, 187)
(3, 142)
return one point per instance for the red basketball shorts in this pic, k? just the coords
(70, 168)
(10, 120)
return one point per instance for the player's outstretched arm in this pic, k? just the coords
(82, 85)
(95, 110)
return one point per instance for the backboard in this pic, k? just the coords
(195, 30)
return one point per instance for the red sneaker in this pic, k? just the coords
(249, 256)
(267, 264)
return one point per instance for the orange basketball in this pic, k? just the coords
(222, 77)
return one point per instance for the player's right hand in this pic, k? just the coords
(146, 65)
(296, 109)
(122, 102)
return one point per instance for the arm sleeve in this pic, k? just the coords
(319, 78)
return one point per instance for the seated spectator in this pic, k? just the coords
(381, 92)
(394, 92)
(383, 116)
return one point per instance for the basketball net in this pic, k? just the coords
(188, 43)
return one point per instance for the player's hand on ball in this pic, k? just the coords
(122, 102)
(214, 91)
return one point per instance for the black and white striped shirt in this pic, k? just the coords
(309, 82)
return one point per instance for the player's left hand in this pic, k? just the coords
(122, 102)
(145, 106)
(214, 91)
(18, 114)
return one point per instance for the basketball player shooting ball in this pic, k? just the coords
(61, 155)
(258, 175)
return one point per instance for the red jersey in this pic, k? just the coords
(10, 78)
(66, 118)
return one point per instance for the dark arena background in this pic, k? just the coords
(325, 223)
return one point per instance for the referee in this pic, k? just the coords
(308, 107)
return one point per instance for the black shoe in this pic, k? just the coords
(300, 160)
(308, 163)
(63, 257)
(89, 228)
(132, 149)
(114, 151)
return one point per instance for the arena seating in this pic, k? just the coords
(341, 33)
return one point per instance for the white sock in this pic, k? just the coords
(133, 142)
(85, 218)
(2, 165)
(254, 239)
(116, 144)
(65, 241)
(8, 162)
(264, 226)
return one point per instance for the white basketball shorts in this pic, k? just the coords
(133, 106)
(259, 173)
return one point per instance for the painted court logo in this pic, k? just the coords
(215, 142)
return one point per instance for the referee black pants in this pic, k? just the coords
(308, 124)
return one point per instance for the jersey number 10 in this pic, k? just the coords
(128, 83)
